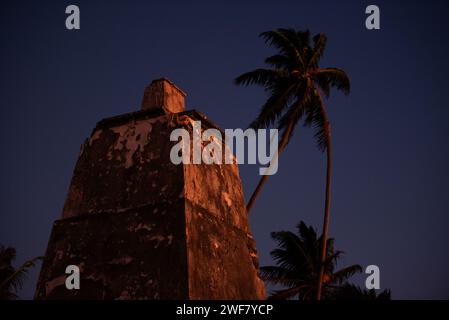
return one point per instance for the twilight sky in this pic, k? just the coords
(390, 136)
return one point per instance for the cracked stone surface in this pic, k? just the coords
(140, 227)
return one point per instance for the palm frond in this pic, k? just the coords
(300, 39)
(278, 275)
(296, 111)
(319, 45)
(349, 291)
(261, 77)
(344, 274)
(306, 233)
(332, 77)
(310, 242)
(285, 293)
(281, 39)
(291, 253)
(316, 119)
(11, 280)
(384, 295)
(279, 61)
(276, 103)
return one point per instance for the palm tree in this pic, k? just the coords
(352, 292)
(295, 84)
(298, 261)
(11, 279)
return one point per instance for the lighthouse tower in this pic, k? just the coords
(140, 227)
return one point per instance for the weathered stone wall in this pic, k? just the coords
(135, 254)
(222, 260)
(125, 166)
(140, 227)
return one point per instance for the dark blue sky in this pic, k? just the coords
(390, 136)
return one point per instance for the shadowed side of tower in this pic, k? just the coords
(140, 227)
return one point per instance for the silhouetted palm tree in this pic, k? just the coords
(352, 292)
(298, 261)
(295, 84)
(11, 279)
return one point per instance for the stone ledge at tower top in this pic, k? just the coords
(153, 113)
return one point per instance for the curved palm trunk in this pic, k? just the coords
(327, 204)
(264, 178)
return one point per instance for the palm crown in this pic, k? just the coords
(294, 82)
(298, 262)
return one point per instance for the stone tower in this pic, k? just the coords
(140, 227)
